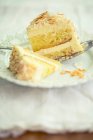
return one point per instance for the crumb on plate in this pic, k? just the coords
(77, 72)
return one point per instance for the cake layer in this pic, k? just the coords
(63, 50)
(30, 66)
(49, 30)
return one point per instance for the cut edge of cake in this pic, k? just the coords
(63, 50)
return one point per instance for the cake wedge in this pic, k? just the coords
(49, 30)
(53, 35)
(26, 65)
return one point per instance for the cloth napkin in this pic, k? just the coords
(51, 110)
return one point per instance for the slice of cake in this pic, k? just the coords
(49, 30)
(30, 66)
(53, 35)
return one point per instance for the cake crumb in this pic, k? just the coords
(78, 65)
(63, 72)
(77, 72)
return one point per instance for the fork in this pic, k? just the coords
(87, 45)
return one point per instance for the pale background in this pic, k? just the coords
(15, 15)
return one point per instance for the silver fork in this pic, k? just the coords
(87, 45)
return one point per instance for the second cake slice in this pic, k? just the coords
(30, 66)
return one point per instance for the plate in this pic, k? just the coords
(84, 61)
(56, 110)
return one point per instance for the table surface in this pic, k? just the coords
(15, 12)
(44, 136)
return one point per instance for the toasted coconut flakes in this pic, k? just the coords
(63, 72)
(77, 72)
